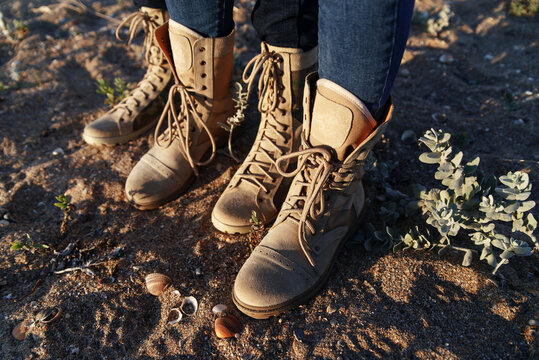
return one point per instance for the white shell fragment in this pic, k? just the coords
(219, 309)
(49, 315)
(174, 316)
(189, 306)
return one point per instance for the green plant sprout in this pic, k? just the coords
(254, 235)
(237, 119)
(114, 93)
(470, 204)
(64, 204)
(28, 244)
(524, 8)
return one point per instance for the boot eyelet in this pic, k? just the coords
(283, 112)
(202, 63)
(202, 49)
(204, 87)
(203, 75)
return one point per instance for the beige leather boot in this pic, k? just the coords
(322, 207)
(188, 133)
(140, 110)
(257, 185)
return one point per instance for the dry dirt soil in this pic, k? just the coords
(478, 79)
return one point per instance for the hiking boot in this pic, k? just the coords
(187, 133)
(140, 110)
(257, 186)
(323, 205)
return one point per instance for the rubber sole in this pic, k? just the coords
(117, 140)
(229, 229)
(267, 312)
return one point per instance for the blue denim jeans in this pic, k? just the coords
(361, 42)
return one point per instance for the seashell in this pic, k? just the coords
(227, 326)
(48, 315)
(189, 306)
(219, 309)
(156, 283)
(174, 316)
(19, 331)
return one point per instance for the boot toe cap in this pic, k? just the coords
(270, 280)
(234, 209)
(104, 127)
(148, 187)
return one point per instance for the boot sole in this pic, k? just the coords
(117, 140)
(235, 229)
(266, 312)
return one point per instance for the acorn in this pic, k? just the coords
(156, 283)
(227, 326)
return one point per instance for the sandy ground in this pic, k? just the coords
(484, 90)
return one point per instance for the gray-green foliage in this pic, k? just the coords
(470, 204)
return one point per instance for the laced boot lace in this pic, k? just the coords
(153, 55)
(318, 173)
(180, 124)
(269, 92)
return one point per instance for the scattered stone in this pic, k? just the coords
(532, 322)
(137, 267)
(330, 309)
(58, 151)
(405, 72)
(488, 57)
(198, 272)
(408, 137)
(333, 322)
(446, 59)
(519, 122)
(298, 335)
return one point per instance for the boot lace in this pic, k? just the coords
(269, 92)
(153, 56)
(318, 173)
(180, 124)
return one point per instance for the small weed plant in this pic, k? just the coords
(28, 244)
(64, 204)
(520, 8)
(470, 205)
(237, 119)
(255, 233)
(115, 92)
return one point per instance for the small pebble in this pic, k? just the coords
(446, 59)
(519, 122)
(198, 272)
(4, 222)
(58, 151)
(488, 57)
(137, 267)
(330, 309)
(408, 137)
(405, 72)
(333, 322)
(532, 322)
(298, 335)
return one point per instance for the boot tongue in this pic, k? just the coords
(339, 119)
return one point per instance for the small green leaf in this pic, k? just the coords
(430, 158)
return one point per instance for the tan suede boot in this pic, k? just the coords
(322, 207)
(140, 110)
(188, 130)
(257, 185)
